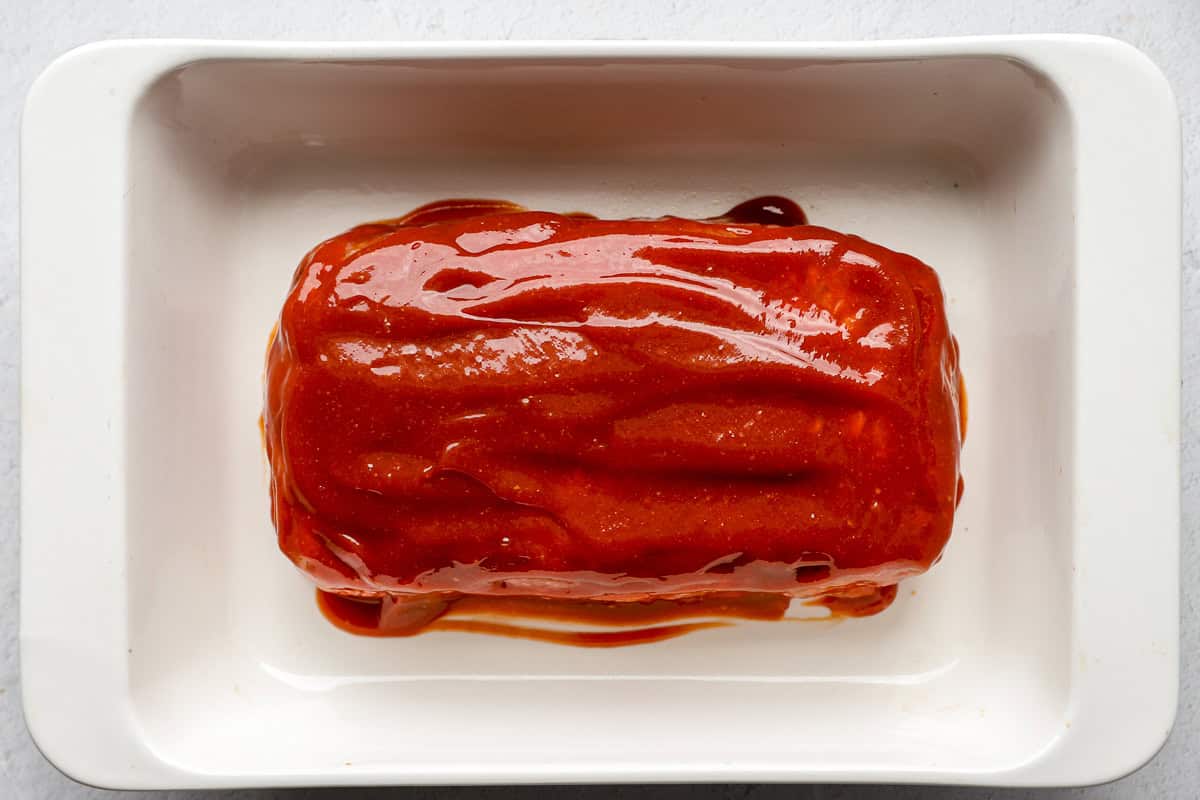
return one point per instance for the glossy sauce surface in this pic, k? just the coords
(477, 401)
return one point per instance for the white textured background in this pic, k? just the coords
(32, 32)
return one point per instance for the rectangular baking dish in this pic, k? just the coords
(169, 189)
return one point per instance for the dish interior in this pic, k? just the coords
(964, 162)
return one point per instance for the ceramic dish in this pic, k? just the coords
(169, 189)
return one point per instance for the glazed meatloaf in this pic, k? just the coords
(483, 399)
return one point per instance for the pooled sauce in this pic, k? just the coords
(479, 417)
(767, 210)
(638, 622)
(865, 604)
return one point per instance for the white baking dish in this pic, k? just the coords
(168, 190)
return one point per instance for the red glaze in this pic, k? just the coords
(477, 399)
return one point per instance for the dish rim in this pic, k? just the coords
(61, 436)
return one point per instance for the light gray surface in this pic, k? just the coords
(32, 33)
